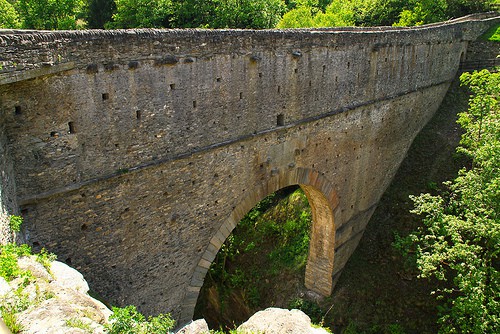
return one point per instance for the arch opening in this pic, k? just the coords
(261, 263)
(319, 267)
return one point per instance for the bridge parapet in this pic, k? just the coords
(195, 89)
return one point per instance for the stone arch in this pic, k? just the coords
(323, 201)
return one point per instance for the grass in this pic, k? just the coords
(11, 322)
(79, 323)
(10, 270)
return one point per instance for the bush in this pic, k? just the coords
(461, 233)
(15, 223)
(128, 320)
(9, 268)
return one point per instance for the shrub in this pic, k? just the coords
(128, 320)
(15, 223)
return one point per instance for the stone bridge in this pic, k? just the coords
(133, 154)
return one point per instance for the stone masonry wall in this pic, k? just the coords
(131, 149)
(8, 204)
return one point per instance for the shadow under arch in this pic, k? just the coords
(323, 202)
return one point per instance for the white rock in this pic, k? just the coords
(196, 327)
(4, 287)
(68, 277)
(279, 321)
(29, 263)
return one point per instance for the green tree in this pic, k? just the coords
(419, 12)
(255, 14)
(461, 234)
(378, 12)
(9, 18)
(51, 14)
(338, 13)
(194, 13)
(142, 14)
(301, 17)
(457, 8)
(99, 12)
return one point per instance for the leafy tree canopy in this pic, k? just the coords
(461, 235)
(9, 18)
(377, 12)
(99, 12)
(51, 14)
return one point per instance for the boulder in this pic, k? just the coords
(280, 321)
(54, 301)
(196, 327)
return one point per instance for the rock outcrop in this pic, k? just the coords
(280, 321)
(54, 300)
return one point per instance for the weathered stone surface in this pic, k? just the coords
(54, 304)
(279, 321)
(135, 155)
(4, 287)
(196, 327)
(68, 277)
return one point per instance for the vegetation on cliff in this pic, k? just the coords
(460, 239)
(257, 14)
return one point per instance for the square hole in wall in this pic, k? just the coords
(280, 120)
(105, 96)
(71, 126)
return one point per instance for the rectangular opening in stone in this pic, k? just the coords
(280, 120)
(71, 126)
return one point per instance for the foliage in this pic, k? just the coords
(15, 223)
(11, 322)
(461, 233)
(9, 18)
(301, 17)
(19, 300)
(337, 13)
(419, 12)
(142, 14)
(51, 14)
(78, 323)
(310, 308)
(493, 34)
(194, 13)
(457, 8)
(128, 320)
(99, 12)
(256, 14)
(10, 252)
(45, 258)
(309, 13)
(275, 230)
